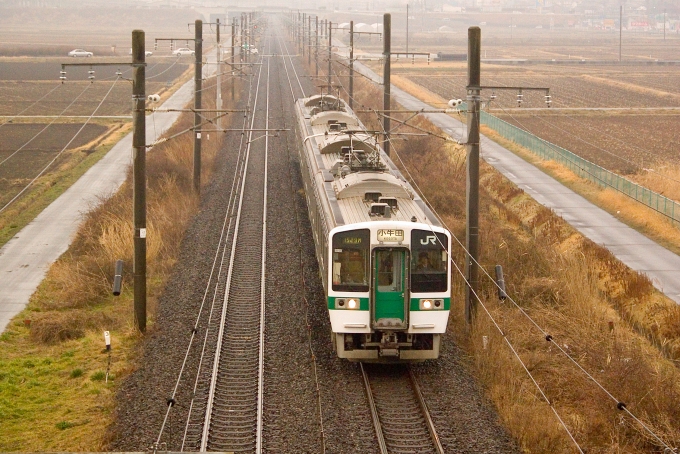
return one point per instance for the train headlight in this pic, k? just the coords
(431, 304)
(347, 303)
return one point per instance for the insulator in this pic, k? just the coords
(155, 45)
(493, 95)
(519, 99)
(62, 75)
(119, 73)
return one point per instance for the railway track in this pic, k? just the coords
(400, 416)
(233, 419)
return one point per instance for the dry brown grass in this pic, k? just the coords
(663, 180)
(574, 290)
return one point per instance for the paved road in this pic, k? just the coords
(632, 248)
(25, 259)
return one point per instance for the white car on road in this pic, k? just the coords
(80, 53)
(183, 51)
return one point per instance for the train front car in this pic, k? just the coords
(382, 253)
(389, 296)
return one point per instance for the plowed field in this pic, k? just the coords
(642, 130)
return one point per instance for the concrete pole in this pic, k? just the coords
(198, 82)
(620, 29)
(407, 29)
(139, 176)
(309, 40)
(302, 37)
(218, 100)
(330, 55)
(387, 51)
(351, 64)
(233, 49)
(316, 47)
(472, 166)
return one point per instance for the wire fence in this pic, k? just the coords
(583, 168)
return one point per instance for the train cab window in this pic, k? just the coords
(429, 261)
(351, 261)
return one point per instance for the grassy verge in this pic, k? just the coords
(54, 391)
(608, 318)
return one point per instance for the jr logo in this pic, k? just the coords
(430, 239)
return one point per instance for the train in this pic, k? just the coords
(383, 255)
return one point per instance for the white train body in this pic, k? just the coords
(383, 255)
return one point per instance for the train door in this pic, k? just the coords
(390, 289)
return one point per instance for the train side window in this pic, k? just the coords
(351, 261)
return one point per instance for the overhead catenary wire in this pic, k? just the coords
(220, 250)
(302, 267)
(462, 274)
(619, 404)
(493, 320)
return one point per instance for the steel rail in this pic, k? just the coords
(260, 384)
(426, 412)
(374, 412)
(216, 362)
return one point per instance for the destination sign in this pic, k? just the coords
(390, 235)
(351, 240)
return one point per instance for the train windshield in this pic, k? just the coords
(351, 261)
(429, 261)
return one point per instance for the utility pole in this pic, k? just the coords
(316, 47)
(139, 176)
(138, 64)
(309, 40)
(407, 28)
(198, 82)
(472, 172)
(387, 38)
(664, 25)
(302, 37)
(330, 55)
(233, 49)
(351, 64)
(218, 100)
(620, 29)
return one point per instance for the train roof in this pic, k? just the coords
(361, 183)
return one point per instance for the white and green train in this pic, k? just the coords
(383, 255)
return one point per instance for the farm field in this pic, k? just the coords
(625, 140)
(32, 96)
(33, 88)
